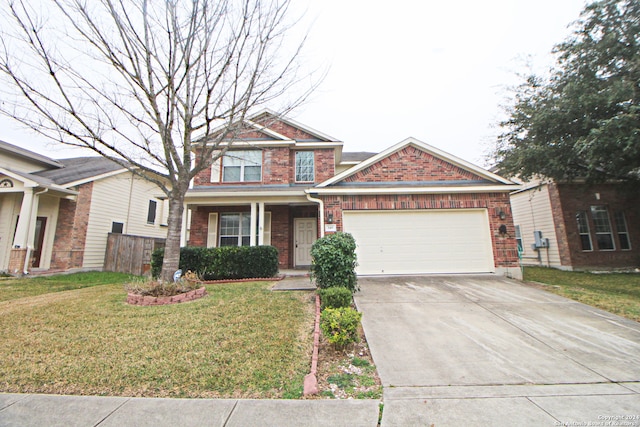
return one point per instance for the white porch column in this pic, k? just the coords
(261, 223)
(27, 220)
(185, 224)
(252, 225)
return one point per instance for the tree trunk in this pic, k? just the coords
(172, 247)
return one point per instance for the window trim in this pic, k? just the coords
(603, 209)
(519, 241)
(584, 216)
(241, 157)
(152, 212)
(241, 235)
(313, 166)
(620, 215)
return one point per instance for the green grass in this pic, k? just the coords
(240, 341)
(13, 288)
(618, 293)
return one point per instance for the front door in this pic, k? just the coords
(305, 233)
(38, 243)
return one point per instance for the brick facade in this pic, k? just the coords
(504, 245)
(71, 230)
(412, 164)
(568, 199)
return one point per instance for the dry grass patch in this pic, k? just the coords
(618, 293)
(241, 341)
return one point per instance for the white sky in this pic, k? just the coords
(436, 70)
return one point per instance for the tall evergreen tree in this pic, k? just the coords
(584, 120)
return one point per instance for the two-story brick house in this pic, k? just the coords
(412, 208)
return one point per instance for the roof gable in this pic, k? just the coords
(413, 161)
(289, 127)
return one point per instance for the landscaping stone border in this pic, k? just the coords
(145, 300)
(310, 386)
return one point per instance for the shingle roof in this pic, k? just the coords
(80, 168)
(23, 152)
(356, 156)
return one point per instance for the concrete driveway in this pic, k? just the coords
(482, 350)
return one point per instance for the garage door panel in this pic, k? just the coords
(409, 242)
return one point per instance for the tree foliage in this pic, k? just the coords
(146, 82)
(584, 120)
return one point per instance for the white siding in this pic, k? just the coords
(532, 212)
(121, 198)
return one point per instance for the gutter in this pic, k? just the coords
(321, 209)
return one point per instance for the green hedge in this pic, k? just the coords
(335, 297)
(334, 261)
(229, 262)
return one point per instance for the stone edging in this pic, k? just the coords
(255, 279)
(144, 300)
(310, 380)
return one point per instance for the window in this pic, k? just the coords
(583, 230)
(151, 213)
(519, 239)
(304, 166)
(241, 166)
(235, 228)
(117, 227)
(602, 225)
(623, 232)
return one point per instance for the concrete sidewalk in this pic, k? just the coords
(26, 410)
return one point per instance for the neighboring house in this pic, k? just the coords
(411, 208)
(575, 226)
(56, 214)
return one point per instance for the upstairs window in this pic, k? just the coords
(604, 235)
(304, 166)
(623, 232)
(242, 166)
(583, 231)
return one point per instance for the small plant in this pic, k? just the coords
(340, 326)
(334, 261)
(155, 288)
(360, 363)
(335, 297)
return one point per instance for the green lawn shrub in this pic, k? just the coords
(340, 326)
(334, 261)
(229, 262)
(335, 297)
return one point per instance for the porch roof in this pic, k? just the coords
(247, 193)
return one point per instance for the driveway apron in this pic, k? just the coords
(483, 350)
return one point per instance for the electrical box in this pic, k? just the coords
(540, 242)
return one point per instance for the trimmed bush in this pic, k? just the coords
(229, 262)
(334, 261)
(335, 297)
(340, 326)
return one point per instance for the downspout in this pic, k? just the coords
(321, 208)
(28, 252)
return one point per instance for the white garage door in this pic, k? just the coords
(412, 242)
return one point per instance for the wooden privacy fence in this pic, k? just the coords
(130, 254)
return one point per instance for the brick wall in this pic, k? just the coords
(411, 164)
(71, 230)
(568, 199)
(504, 246)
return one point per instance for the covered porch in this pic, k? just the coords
(28, 218)
(289, 221)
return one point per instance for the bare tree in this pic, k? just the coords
(148, 83)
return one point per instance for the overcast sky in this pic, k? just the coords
(434, 70)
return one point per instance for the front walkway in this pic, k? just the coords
(483, 350)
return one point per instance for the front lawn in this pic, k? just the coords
(618, 293)
(240, 341)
